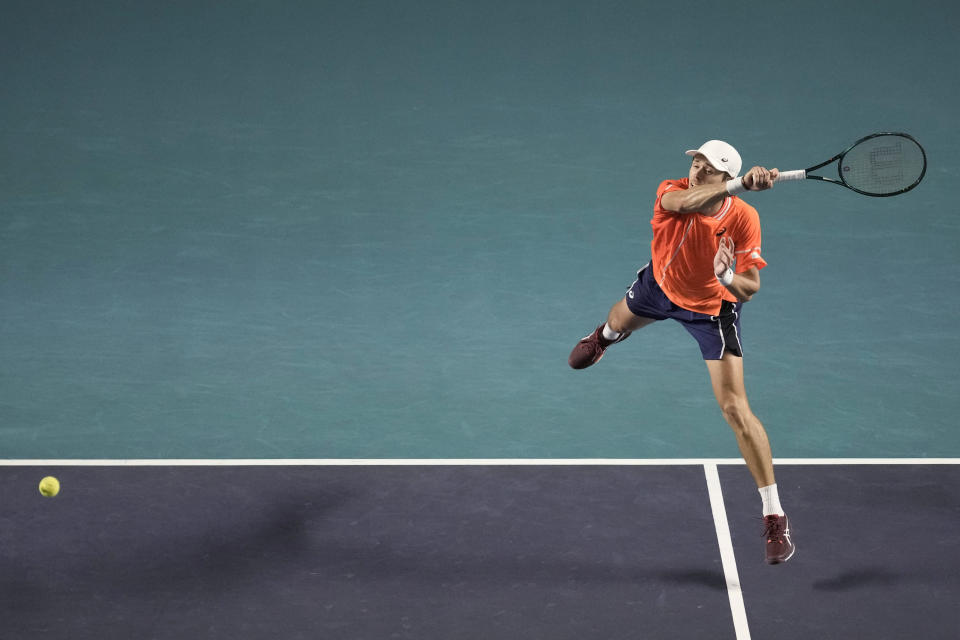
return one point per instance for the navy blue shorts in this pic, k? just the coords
(716, 335)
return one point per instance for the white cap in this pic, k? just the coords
(721, 155)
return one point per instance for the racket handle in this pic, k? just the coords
(788, 176)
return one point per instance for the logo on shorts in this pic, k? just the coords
(630, 294)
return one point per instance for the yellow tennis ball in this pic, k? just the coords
(49, 486)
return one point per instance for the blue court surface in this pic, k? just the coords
(287, 291)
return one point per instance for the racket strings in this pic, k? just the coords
(883, 165)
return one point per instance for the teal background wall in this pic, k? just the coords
(376, 229)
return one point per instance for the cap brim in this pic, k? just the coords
(694, 152)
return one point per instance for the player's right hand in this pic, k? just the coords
(760, 178)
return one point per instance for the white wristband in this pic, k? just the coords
(735, 186)
(726, 278)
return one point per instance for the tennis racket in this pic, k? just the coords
(881, 165)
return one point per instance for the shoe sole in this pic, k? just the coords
(779, 561)
(588, 364)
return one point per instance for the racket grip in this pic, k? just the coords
(789, 176)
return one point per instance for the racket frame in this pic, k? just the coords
(839, 159)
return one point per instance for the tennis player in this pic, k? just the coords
(705, 264)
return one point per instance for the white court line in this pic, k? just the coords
(387, 462)
(727, 556)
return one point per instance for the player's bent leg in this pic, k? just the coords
(620, 320)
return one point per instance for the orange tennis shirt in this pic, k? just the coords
(684, 245)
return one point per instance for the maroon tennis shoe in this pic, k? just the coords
(589, 350)
(780, 547)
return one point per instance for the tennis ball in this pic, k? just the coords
(49, 486)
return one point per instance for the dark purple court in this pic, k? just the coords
(505, 552)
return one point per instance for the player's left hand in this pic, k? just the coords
(724, 258)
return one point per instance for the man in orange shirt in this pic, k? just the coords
(705, 264)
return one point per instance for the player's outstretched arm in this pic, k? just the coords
(694, 199)
(705, 196)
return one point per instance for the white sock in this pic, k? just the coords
(609, 334)
(771, 501)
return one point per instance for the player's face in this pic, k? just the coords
(702, 172)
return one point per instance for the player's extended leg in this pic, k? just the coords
(621, 322)
(726, 375)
